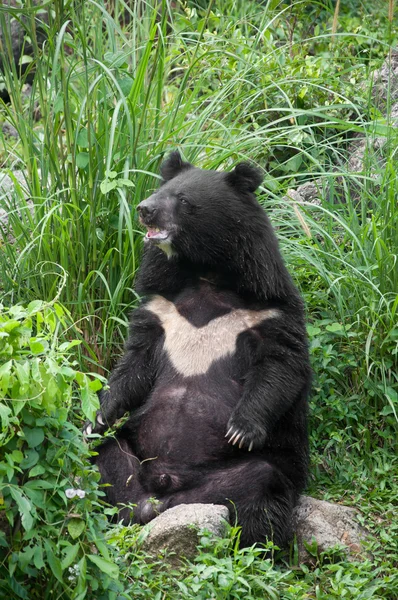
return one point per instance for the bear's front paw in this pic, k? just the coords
(99, 427)
(245, 432)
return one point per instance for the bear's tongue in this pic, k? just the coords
(156, 234)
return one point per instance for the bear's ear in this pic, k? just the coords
(173, 165)
(245, 177)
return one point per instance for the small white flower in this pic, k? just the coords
(72, 493)
(74, 569)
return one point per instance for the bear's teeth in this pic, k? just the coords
(156, 233)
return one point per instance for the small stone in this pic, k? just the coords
(329, 525)
(7, 203)
(177, 529)
(9, 130)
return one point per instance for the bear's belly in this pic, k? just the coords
(185, 424)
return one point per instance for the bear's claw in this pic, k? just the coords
(99, 427)
(236, 436)
(244, 434)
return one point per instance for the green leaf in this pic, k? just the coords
(334, 327)
(5, 375)
(37, 470)
(38, 558)
(76, 527)
(70, 556)
(313, 331)
(17, 456)
(125, 182)
(81, 588)
(24, 507)
(17, 588)
(95, 385)
(82, 138)
(23, 372)
(110, 174)
(82, 160)
(38, 484)
(8, 326)
(59, 104)
(5, 413)
(54, 562)
(100, 234)
(37, 346)
(34, 307)
(90, 401)
(125, 84)
(68, 345)
(105, 565)
(68, 372)
(116, 59)
(31, 458)
(106, 186)
(34, 436)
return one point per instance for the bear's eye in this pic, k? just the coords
(182, 199)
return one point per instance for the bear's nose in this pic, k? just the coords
(146, 208)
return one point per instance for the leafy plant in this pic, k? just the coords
(53, 528)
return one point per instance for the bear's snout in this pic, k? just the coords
(147, 208)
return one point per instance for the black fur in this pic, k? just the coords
(172, 166)
(219, 255)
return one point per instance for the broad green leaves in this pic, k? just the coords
(76, 527)
(106, 566)
(24, 507)
(42, 455)
(112, 181)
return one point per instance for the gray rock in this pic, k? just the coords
(7, 183)
(177, 529)
(385, 81)
(311, 191)
(7, 201)
(15, 32)
(363, 149)
(329, 525)
(9, 130)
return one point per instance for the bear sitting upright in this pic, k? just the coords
(216, 372)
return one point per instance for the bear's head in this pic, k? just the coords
(203, 215)
(210, 224)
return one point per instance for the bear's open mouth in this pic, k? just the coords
(156, 234)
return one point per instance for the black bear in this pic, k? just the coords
(216, 372)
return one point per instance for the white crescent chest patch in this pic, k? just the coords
(192, 350)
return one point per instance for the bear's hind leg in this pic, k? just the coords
(257, 495)
(119, 468)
